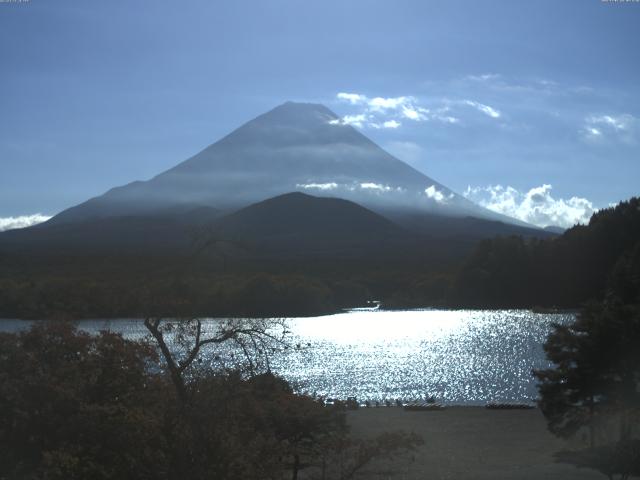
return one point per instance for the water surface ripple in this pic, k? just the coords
(457, 356)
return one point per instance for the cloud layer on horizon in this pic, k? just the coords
(536, 206)
(11, 223)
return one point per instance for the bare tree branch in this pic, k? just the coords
(251, 336)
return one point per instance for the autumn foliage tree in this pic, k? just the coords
(75, 406)
(79, 406)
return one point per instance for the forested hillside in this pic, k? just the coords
(561, 272)
(229, 279)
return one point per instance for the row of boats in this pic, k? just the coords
(421, 405)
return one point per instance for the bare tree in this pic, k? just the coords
(255, 339)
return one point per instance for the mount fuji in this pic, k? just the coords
(269, 182)
(294, 147)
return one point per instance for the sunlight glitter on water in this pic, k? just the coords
(377, 327)
(457, 356)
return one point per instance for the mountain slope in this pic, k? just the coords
(295, 146)
(169, 232)
(289, 226)
(291, 222)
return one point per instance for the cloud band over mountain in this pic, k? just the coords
(11, 223)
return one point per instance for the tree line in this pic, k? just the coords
(503, 272)
(562, 272)
(593, 388)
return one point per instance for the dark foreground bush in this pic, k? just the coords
(621, 459)
(76, 406)
(79, 406)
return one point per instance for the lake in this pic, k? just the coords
(464, 357)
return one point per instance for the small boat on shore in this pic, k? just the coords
(509, 406)
(423, 407)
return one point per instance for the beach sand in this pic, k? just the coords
(473, 443)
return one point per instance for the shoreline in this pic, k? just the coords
(535, 310)
(468, 442)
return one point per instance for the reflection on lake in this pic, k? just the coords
(457, 356)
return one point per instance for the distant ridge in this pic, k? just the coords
(300, 215)
(296, 224)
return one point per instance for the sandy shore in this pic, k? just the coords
(473, 443)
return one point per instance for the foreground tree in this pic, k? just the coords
(75, 406)
(597, 370)
(181, 341)
(78, 406)
(621, 458)
(247, 423)
(595, 384)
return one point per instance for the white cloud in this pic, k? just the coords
(376, 104)
(433, 193)
(392, 103)
(442, 114)
(352, 98)
(621, 122)
(486, 109)
(387, 112)
(414, 113)
(536, 206)
(367, 186)
(10, 223)
(318, 186)
(448, 119)
(375, 186)
(484, 77)
(355, 120)
(381, 112)
(386, 124)
(623, 127)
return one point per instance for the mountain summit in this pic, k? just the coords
(294, 147)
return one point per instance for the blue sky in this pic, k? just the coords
(521, 105)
